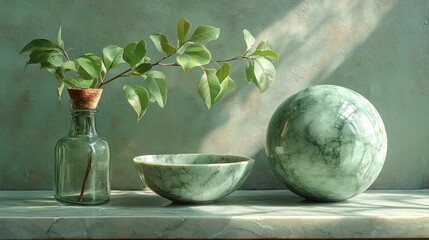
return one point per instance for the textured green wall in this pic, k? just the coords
(377, 48)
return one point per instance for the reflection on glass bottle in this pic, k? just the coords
(82, 163)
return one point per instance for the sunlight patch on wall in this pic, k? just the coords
(313, 40)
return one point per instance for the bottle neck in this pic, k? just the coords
(83, 122)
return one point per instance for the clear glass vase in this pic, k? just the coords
(82, 163)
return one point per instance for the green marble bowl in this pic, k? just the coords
(193, 178)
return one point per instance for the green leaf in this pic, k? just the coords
(138, 98)
(194, 55)
(59, 39)
(50, 68)
(156, 74)
(209, 87)
(183, 27)
(168, 48)
(142, 68)
(250, 71)
(41, 45)
(162, 44)
(157, 87)
(39, 56)
(227, 86)
(94, 83)
(263, 45)
(47, 66)
(71, 83)
(79, 82)
(60, 91)
(56, 60)
(146, 59)
(103, 72)
(261, 72)
(267, 54)
(156, 39)
(58, 72)
(88, 66)
(69, 65)
(134, 52)
(183, 48)
(223, 71)
(112, 56)
(249, 39)
(205, 34)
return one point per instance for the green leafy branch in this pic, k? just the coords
(90, 70)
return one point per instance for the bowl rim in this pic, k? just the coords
(243, 160)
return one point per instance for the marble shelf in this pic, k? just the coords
(244, 214)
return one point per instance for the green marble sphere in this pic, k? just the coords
(326, 143)
(193, 178)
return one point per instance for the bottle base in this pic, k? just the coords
(74, 200)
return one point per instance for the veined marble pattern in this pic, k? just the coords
(326, 143)
(243, 214)
(193, 178)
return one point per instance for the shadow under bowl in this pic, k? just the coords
(193, 178)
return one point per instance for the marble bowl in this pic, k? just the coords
(193, 178)
(326, 143)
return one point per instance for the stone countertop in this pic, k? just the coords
(243, 214)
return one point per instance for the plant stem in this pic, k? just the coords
(160, 60)
(115, 77)
(213, 61)
(168, 64)
(88, 170)
(65, 54)
(128, 70)
(229, 59)
(175, 64)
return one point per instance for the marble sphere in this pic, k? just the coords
(326, 143)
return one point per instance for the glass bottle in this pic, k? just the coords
(82, 163)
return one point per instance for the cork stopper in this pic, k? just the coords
(85, 98)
